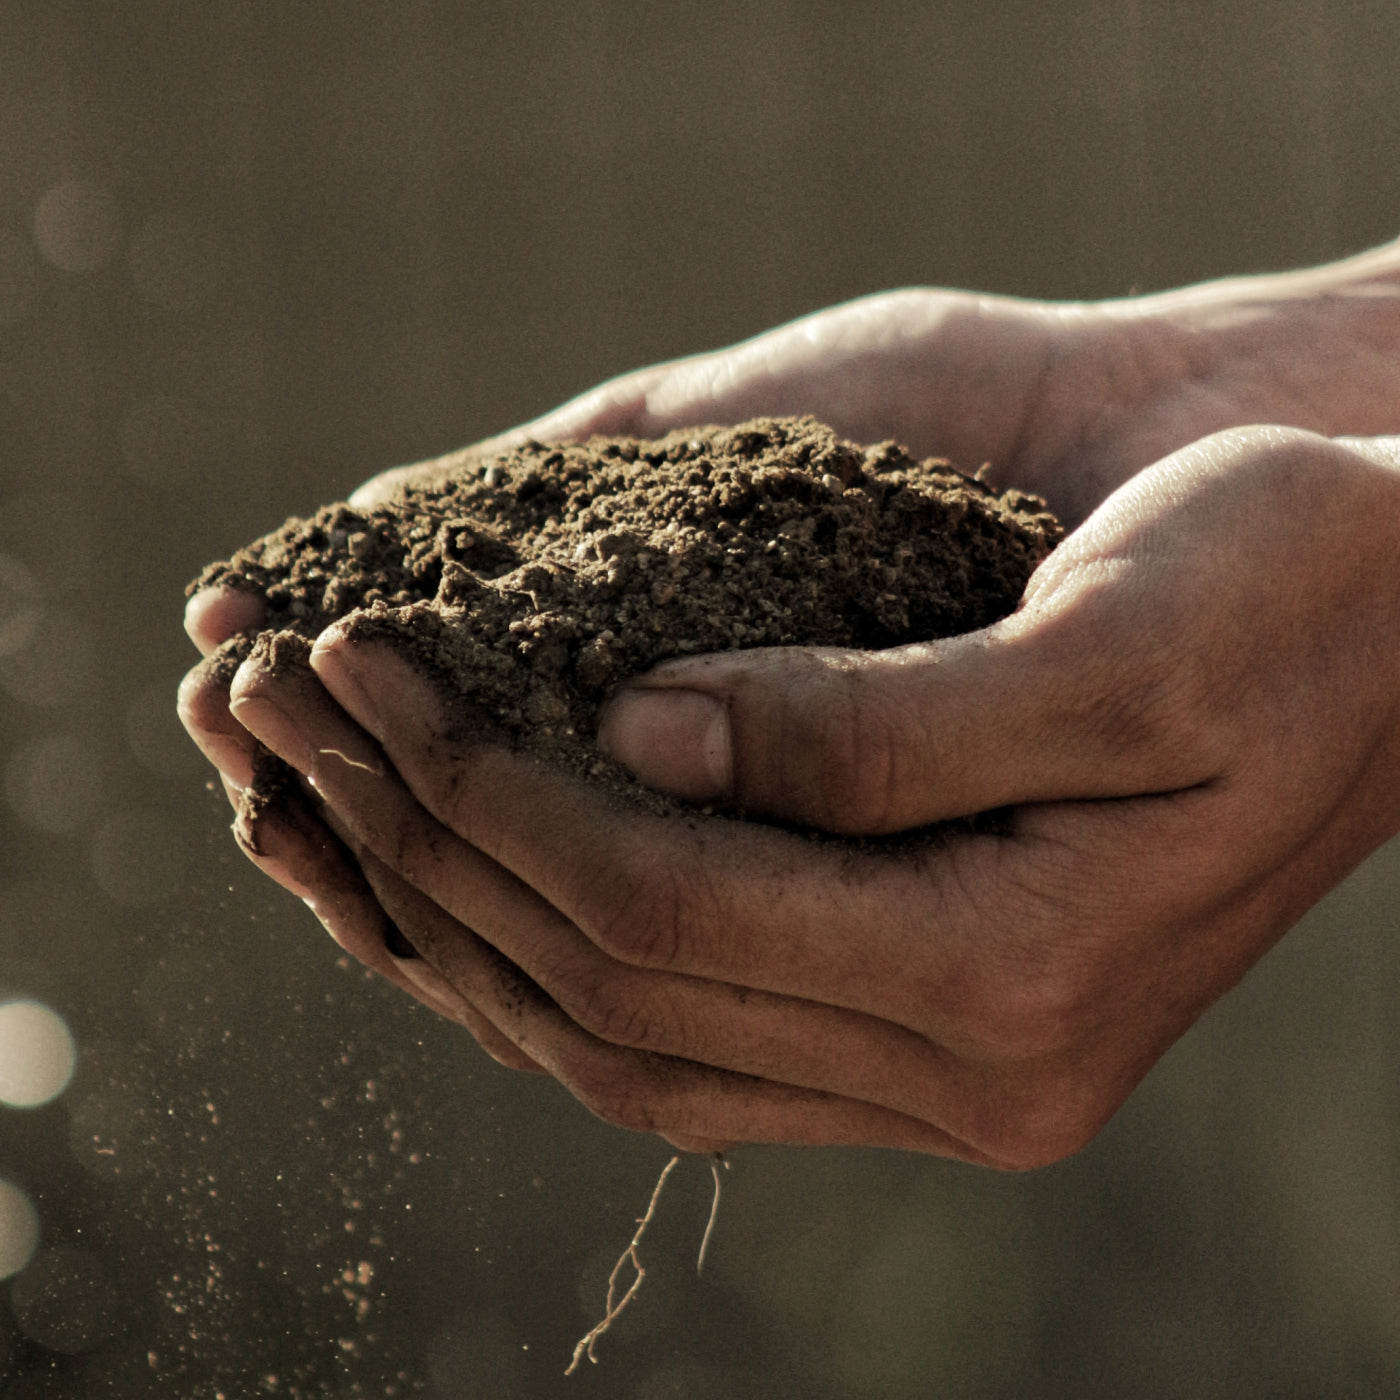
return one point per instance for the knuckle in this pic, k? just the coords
(620, 1099)
(1060, 1116)
(614, 1009)
(641, 927)
(640, 912)
(845, 760)
(1024, 1011)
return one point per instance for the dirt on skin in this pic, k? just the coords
(533, 583)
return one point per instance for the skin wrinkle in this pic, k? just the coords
(691, 920)
(612, 1010)
(638, 926)
(658, 1030)
(729, 908)
(456, 805)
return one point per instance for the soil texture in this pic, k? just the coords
(533, 583)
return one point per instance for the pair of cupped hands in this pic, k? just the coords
(1192, 724)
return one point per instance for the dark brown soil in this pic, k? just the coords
(533, 583)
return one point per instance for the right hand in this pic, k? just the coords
(1065, 399)
(1191, 726)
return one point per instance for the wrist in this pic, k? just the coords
(1317, 349)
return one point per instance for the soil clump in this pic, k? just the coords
(532, 584)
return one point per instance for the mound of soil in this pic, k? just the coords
(533, 583)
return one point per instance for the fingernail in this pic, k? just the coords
(677, 741)
(276, 728)
(348, 686)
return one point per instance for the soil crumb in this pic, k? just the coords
(532, 584)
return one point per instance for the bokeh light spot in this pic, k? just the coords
(77, 226)
(19, 1229)
(54, 783)
(37, 1054)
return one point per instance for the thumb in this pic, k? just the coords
(862, 743)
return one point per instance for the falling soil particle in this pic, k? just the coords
(533, 583)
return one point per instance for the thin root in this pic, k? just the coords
(615, 1305)
(714, 1211)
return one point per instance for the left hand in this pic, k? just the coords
(1192, 722)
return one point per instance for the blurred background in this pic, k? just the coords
(251, 253)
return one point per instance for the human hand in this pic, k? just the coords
(1064, 399)
(1191, 722)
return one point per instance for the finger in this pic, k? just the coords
(202, 704)
(292, 846)
(213, 615)
(777, 1037)
(864, 743)
(412, 974)
(713, 898)
(992, 936)
(646, 1092)
(943, 372)
(290, 843)
(1106, 683)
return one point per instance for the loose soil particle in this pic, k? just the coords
(533, 583)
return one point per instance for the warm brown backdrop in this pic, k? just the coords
(251, 252)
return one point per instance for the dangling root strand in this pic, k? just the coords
(615, 1305)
